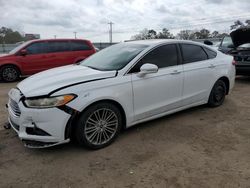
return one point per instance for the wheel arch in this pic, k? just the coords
(70, 127)
(226, 81)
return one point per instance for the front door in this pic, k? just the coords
(37, 59)
(159, 92)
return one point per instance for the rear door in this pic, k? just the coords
(158, 92)
(199, 71)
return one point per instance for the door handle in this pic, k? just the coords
(175, 72)
(211, 66)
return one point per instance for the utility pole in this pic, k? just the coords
(75, 34)
(110, 31)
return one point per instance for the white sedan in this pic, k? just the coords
(118, 87)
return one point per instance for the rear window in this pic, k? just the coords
(79, 46)
(193, 53)
(210, 53)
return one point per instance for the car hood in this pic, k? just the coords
(46, 82)
(240, 36)
(4, 55)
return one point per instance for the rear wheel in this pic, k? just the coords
(9, 73)
(218, 94)
(99, 125)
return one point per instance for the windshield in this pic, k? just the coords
(16, 49)
(115, 57)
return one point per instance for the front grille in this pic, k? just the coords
(14, 108)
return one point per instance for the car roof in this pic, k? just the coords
(155, 42)
(61, 39)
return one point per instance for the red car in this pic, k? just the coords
(38, 55)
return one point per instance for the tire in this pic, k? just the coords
(98, 126)
(218, 94)
(9, 73)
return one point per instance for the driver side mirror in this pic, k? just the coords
(147, 69)
(23, 52)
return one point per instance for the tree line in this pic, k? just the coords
(8, 36)
(187, 34)
(183, 34)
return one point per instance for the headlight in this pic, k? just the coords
(49, 102)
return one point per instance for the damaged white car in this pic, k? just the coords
(120, 86)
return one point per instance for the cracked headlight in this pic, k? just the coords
(49, 102)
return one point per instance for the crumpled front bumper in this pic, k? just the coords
(37, 128)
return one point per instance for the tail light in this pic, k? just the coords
(234, 62)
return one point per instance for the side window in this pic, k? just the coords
(211, 54)
(192, 53)
(163, 56)
(58, 46)
(36, 48)
(79, 46)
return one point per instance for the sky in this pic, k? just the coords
(90, 18)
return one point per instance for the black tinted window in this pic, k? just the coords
(58, 46)
(211, 54)
(192, 53)
(37, 48)
(79, 46)
(163, 56)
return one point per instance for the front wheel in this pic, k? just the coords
(218, 94)
(9, 73)
(99, 125)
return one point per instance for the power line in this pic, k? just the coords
(181, 25)
(193, 23)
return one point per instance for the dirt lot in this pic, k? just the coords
(201, 147)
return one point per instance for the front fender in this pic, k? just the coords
(116, 89)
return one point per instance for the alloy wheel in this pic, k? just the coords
(219, 93)
(101, 126)
(9, 74)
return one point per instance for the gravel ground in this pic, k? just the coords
(199, 147)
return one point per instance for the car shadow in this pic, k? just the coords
(19, 80)
(242, 79)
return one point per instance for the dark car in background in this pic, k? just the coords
(238, 45)
(38, 55)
